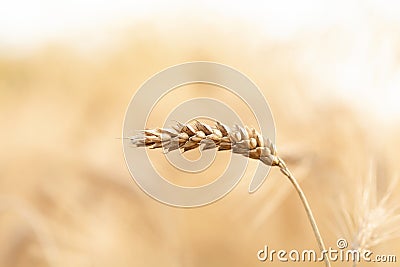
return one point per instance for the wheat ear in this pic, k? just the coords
(372, 219)
(240, 140)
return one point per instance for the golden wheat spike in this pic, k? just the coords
(240, 140)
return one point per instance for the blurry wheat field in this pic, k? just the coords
(67, 199)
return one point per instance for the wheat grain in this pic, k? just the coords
(245, 141)
(240, 140)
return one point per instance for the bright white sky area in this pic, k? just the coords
(28, 23)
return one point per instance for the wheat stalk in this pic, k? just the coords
(240, 140)
(371, 219)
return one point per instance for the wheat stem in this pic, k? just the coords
(284, 169)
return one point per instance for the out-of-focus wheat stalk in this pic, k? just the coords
(240, 140)
(35, 223)
(371, 220)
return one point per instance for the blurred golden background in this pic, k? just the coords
(68, 71)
